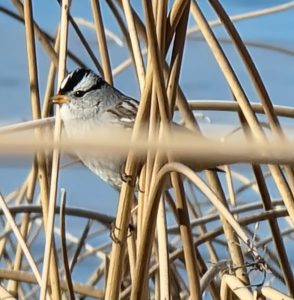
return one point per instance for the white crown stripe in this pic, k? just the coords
(65, 80)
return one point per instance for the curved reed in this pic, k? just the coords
(193, 235)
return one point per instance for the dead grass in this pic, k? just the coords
(205, 237)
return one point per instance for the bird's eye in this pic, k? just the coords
(79, 93)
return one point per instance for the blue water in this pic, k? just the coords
(201, 79)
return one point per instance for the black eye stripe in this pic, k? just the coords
(96, 86)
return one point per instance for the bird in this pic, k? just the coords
(88, 102)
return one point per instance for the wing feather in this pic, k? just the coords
(125, 111)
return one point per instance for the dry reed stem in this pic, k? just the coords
(174, 19)
(139, 63)
(150, 166)
(275, 127)
(124, 207)
(79, 247)
(63, 245)
(20, 239)
(71, 211)
(110, 35)
(243, 221)
(230, 283)
(164, 114)
(212, 216)
(232, 240)
(217, 203)
(48, 253)
(227, 70)
(46, 109)
(211, 274)
(26, 277)
(214, 233)
(12, 286)
(184, 222)
(253, 44)
(27, 125)
(249, 15)
(131, 244)
(195, 215)
(4, 294)
(122, 27)
(163, 94)
(85, 43)
(154, 160)
(273, 294)
(231, 194)
(230, 106)
(125, 64)
(101, 41)
(164, 276)
(176, 60)
(41, 36)
(277, 237)
(200, 153)
(243, 102)
(156, 65)
(7, 227)
(181, 99)
(256, 79)
(36, 111)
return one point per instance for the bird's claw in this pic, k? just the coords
(130, 179)
(113, 236)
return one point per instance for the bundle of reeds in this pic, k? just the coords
(171, 238)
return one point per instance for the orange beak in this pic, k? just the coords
(60, 99)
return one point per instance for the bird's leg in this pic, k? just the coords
(114, 237)
(112, 233)
(130, 179)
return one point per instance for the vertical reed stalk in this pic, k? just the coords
(284, 263)
(102, 44)
(163, 251)
(125, 204)
(56, 156)
(31, 184)
(265, 100)
(32, 66)
(139, 63)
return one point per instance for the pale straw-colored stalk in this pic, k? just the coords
(36, 111)
(139, 63)
(48, 253)
(231, 283)
(20, 239)
(273, 294)
(102, 44)
(249, 15)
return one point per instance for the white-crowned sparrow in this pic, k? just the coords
(88, 102)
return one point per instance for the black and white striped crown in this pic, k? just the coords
(82, 80)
